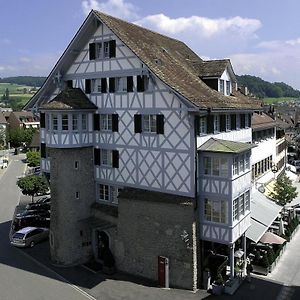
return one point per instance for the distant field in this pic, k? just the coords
(13, 88)
(276, 100)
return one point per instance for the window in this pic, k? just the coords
(235, 165)
(202, 125)
(106, 157)
(207, 165)
(108, 193)
(228, 88)
(47, 117)
(235, 209)
(149, 123)
(96, 85)
(227, 122)
(106, 49)
(247, 201)
(221, 86)
(98, 50)
(216, 166)
(76, 164)
(84, 121)
(121, 84)
(216, 211)
(77, 195)
(242, 205)
(106, 122)
(216, 123)
(247, 161)
(241, 164)
(64, 122)
(224, 167)
(74, 122)
(54, 122)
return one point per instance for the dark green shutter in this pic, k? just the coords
(140, 84)
(42, 120)
(160, 124)
(88, 86)
(112, 48)
(222, 123)
(115, 122)
(129, 84)
(250, 119)
(137, 123)
(97, 159)
(115, 159)
(112, 85)
(210, 124)
(233, 122)
(242, 120)
(103, 85)
(43, 150)
(96, 122)
(197, 125)
(69, 83)
(92, 51)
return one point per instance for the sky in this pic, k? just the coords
(261, 37)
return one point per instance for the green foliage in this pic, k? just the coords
(25, 80)
(32, 185)
(284, 191)
(19, 136)
(33, 158)
(262, 88)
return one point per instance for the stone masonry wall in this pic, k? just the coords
(70, 236)
(148, 228)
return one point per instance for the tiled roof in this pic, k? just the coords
(175, 64)
(261, 121)
(2, 119)
(68, 99)
(224, 146)
(213, 68)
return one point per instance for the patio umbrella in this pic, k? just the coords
(272, 238)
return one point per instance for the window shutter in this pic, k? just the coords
(210, 124)
(115, 122)
(140, 84)
(137, 123)
(88, 86)
(233, 122)
(250, 120)
(243, 120)
(97, 158)
(112, 85)
(197, 125)
(115, 159)
(222, 123)
(42, 120)
(92, 51)
(160, 124)
(129, 84)
(96, 122)
(112, 48)
(103, 85)
(43, 150)
(69, 83)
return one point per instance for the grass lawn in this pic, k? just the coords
(276, 100)
(13, 88)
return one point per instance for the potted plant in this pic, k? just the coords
(218, 285)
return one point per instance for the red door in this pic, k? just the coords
(162, 271)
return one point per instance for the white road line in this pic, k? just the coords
(75, 287)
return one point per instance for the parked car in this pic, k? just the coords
(38, 206)
(29, 236)
(39, 218)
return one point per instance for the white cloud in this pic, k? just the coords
(5, 41)
(117, 8)
(24, 59)
(201, 26)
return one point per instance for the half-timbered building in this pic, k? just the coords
(148, 150)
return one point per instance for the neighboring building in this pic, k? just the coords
(149, 148)
(22, 119)
(3, 130)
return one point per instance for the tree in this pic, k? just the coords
(33, 158)
(284, 191)
(20, 136)
(32, 185)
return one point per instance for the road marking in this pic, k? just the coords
(75, 287)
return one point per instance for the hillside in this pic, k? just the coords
(264, 89)
(33, 81)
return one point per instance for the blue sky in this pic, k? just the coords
(261, 38)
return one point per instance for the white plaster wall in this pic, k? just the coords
(264, 149)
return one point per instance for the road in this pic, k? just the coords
(20, 276)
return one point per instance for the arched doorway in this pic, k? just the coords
(102, 244)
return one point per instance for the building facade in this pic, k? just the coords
(128, 120)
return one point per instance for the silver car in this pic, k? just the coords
(29, 236)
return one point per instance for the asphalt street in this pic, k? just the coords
(21, 278)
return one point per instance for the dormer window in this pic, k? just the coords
(222, 86)
(228, 88)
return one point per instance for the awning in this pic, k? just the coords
(263, 213)
(272, 238)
